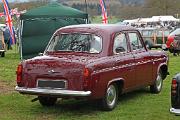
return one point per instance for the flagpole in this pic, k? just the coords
(86, 5)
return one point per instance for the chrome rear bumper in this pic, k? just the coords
(175, 111)
(55, 92)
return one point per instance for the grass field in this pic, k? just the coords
(138, 105)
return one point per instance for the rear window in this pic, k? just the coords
(76, 42)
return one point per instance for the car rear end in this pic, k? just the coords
(175, 95)
(50, 77)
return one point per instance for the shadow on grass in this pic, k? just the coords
(67, 109)
(134, 94)
(77, 108)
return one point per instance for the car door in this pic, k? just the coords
(124, 61)
(143, 60)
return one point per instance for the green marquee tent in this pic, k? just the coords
(37, 26)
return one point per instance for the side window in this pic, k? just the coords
(120, 44)
(135, 41)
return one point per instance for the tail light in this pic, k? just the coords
(87, 81)
(19, 74)
(174, 87)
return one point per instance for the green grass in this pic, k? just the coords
(8, 66)
(138, 105)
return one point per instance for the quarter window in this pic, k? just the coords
(135, 41)
(120, 44)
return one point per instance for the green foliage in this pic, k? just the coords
(98, 19)
(162, 7)
(138, 105)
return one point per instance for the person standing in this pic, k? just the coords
(6, 35)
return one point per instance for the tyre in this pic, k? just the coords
(47, 101)
(109, 101)
(149, 44)
(157, 86)
(164, 47)
(171, 50)
(3, 54)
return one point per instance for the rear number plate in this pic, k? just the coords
(59, 84)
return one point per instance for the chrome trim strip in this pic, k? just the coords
(56, 92)
(114, 68)
(175, 111)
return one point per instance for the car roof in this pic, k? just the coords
(175, 31)
(111, 28)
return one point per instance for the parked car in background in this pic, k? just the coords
(175, 95)
(171, 38)
(154, 37)
(96, 62)
(175, 46)
(2, 44)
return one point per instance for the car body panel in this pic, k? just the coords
(172, 36)
(93, 72)
(154, 37)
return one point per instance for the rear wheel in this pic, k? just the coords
(171, 48)
(109, 101)
(47, 101)
(157, 86)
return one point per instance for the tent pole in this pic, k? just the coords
(86, 12)
(20, 38)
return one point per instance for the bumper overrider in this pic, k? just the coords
(175, 111)
(55, 92)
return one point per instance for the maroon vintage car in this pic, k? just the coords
(97, 62)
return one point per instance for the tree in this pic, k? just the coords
(162, 7)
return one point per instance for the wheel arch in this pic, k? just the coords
(119, 82)
(164, 69)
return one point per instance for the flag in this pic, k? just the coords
(104, 12)
(9, 21)
(14, 11)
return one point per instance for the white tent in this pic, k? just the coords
(130, 21)
(164, 18)
(146, 20)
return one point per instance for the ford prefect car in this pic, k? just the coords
(96, 62)
(175, 95)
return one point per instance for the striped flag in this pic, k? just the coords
(9, 21)
(104, 12)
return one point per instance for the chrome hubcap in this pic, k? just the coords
(159, 82)
(111, 95)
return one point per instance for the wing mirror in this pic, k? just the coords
(40, 54)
